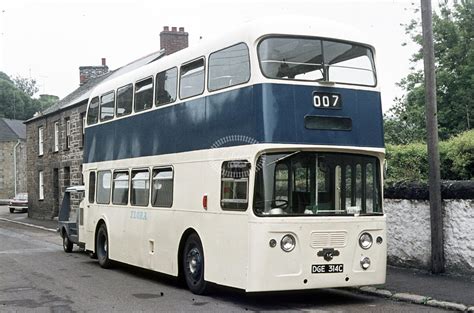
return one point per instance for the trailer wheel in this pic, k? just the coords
(102, 247)
(67, 243)
(193, 265)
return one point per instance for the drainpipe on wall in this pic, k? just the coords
(14, 163)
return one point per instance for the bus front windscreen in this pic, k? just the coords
(312, 59)
(308, 184)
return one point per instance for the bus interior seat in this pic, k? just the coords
(300, 201)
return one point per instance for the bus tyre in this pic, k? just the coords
(193, 265)
(102, 247)
(67, 243)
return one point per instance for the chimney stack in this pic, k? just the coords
(88, 72)
(174, 40)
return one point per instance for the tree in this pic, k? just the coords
(27, 85)
(453, 30)
(15, 103)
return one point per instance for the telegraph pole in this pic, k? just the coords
(436, 216)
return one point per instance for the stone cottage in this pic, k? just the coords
(55, 136)
(12, 158)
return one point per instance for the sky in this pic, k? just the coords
(49, 40)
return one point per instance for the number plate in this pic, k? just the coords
(327, 268)
(327, 100)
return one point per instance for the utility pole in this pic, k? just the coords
(437, 243)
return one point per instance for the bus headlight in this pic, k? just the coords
(365, 263)
(365, 241)
(288, 243)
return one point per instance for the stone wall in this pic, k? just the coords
(61, 169)
(7, 177)
(409, 234)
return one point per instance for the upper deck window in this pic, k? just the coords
(192, 79)
(166, 83)
(107, 103)
(124, 100)
(311, 59)
(144, 94)
(93, 112)
(229, 67)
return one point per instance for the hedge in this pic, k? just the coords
(410, 162)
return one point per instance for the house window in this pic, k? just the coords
(40, 140)
(68, 133)
(83, 119)
(56, 136)
(67, 176)
(41, 186)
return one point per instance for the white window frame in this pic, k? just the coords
(40, 140)
(56, 136)
(41, 186)
(68, 133)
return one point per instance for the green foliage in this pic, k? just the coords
(453, 30)
(410, 162)
(16, 100)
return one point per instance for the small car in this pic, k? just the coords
(20, 202)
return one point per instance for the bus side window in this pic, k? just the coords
(166, 83)
(107, 103)
(229, 67)
(162, 187)
(103, 187)
(192, 79)
(140, 187)
(120, 191)
(144, 94)
(91, 187)
(124, 100)
(93, 112)
(234, 185)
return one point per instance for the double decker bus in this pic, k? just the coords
(252, 161)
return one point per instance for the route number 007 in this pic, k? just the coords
(327, 100)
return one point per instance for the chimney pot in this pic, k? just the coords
(181, 29)
(166, 28)
(103, 62)
(174, 29)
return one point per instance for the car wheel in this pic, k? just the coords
(102, 247)
(67, 243)
(12, 210)
(193, 265)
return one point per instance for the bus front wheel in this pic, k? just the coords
(193, 265)
(102, 247)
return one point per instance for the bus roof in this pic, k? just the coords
(250, 32)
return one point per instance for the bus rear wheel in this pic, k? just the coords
(102, 247)
(193, 265)
(67, 243)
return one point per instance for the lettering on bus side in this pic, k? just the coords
(138, 215)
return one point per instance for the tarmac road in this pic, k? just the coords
(36, 275)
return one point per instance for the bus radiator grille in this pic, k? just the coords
(328, 239)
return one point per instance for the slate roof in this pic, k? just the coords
(82, 93)
(11, 130)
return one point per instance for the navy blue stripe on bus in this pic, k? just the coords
(262, 113)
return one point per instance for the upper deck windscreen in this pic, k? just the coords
(312, 59)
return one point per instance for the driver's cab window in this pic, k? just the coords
(235, 185)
